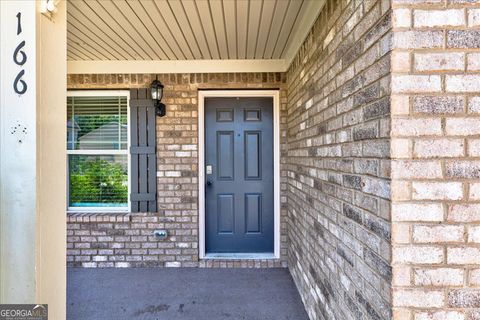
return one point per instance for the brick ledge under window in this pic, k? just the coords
(106, 216)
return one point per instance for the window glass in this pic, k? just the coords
(97, 123)
(97, 148)
(98, 180)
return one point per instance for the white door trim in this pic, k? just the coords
(202, 94)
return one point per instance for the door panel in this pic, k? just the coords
(253, 157)
(253, 213)
(226, 213)
(225, 153)
(239, 191)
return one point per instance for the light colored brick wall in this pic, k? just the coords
(128, 241)
(435, 166)
(338, 163)
(380, 165)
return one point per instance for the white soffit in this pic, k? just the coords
(183, 36)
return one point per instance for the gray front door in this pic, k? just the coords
(239, 175)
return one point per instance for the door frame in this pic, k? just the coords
(275, 94)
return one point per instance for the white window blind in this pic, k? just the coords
(97, 123)
(97, 148)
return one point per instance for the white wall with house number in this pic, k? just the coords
(17, 150)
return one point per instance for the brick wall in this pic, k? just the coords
(380, 164)
(96, 240)
(435, 166)
(338, 163)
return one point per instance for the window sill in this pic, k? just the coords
(98, 216)
(97, 213)
(240, 256)
(82, 216)
(111, 216)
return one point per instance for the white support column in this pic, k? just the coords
(33, 155)
(51, 114)
(18, 145)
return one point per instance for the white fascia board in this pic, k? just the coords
(299, 34)
(175, 66)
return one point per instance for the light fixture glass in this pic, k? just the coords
(50, 5)
(157, 95)
(157, 90)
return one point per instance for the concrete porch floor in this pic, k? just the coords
(182, 294)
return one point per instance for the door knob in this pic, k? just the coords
(209, 183)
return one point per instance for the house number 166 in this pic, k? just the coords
(19, 57)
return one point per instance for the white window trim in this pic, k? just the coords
(102, 93)
(275, 94)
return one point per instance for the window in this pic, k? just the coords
(98, 150)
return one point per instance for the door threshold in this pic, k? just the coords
(240, 256)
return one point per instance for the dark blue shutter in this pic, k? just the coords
(143, 194)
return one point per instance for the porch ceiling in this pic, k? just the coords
(170, 31)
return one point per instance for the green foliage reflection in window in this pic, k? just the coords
(97, 138)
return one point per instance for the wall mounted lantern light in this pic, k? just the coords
(157, 94)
